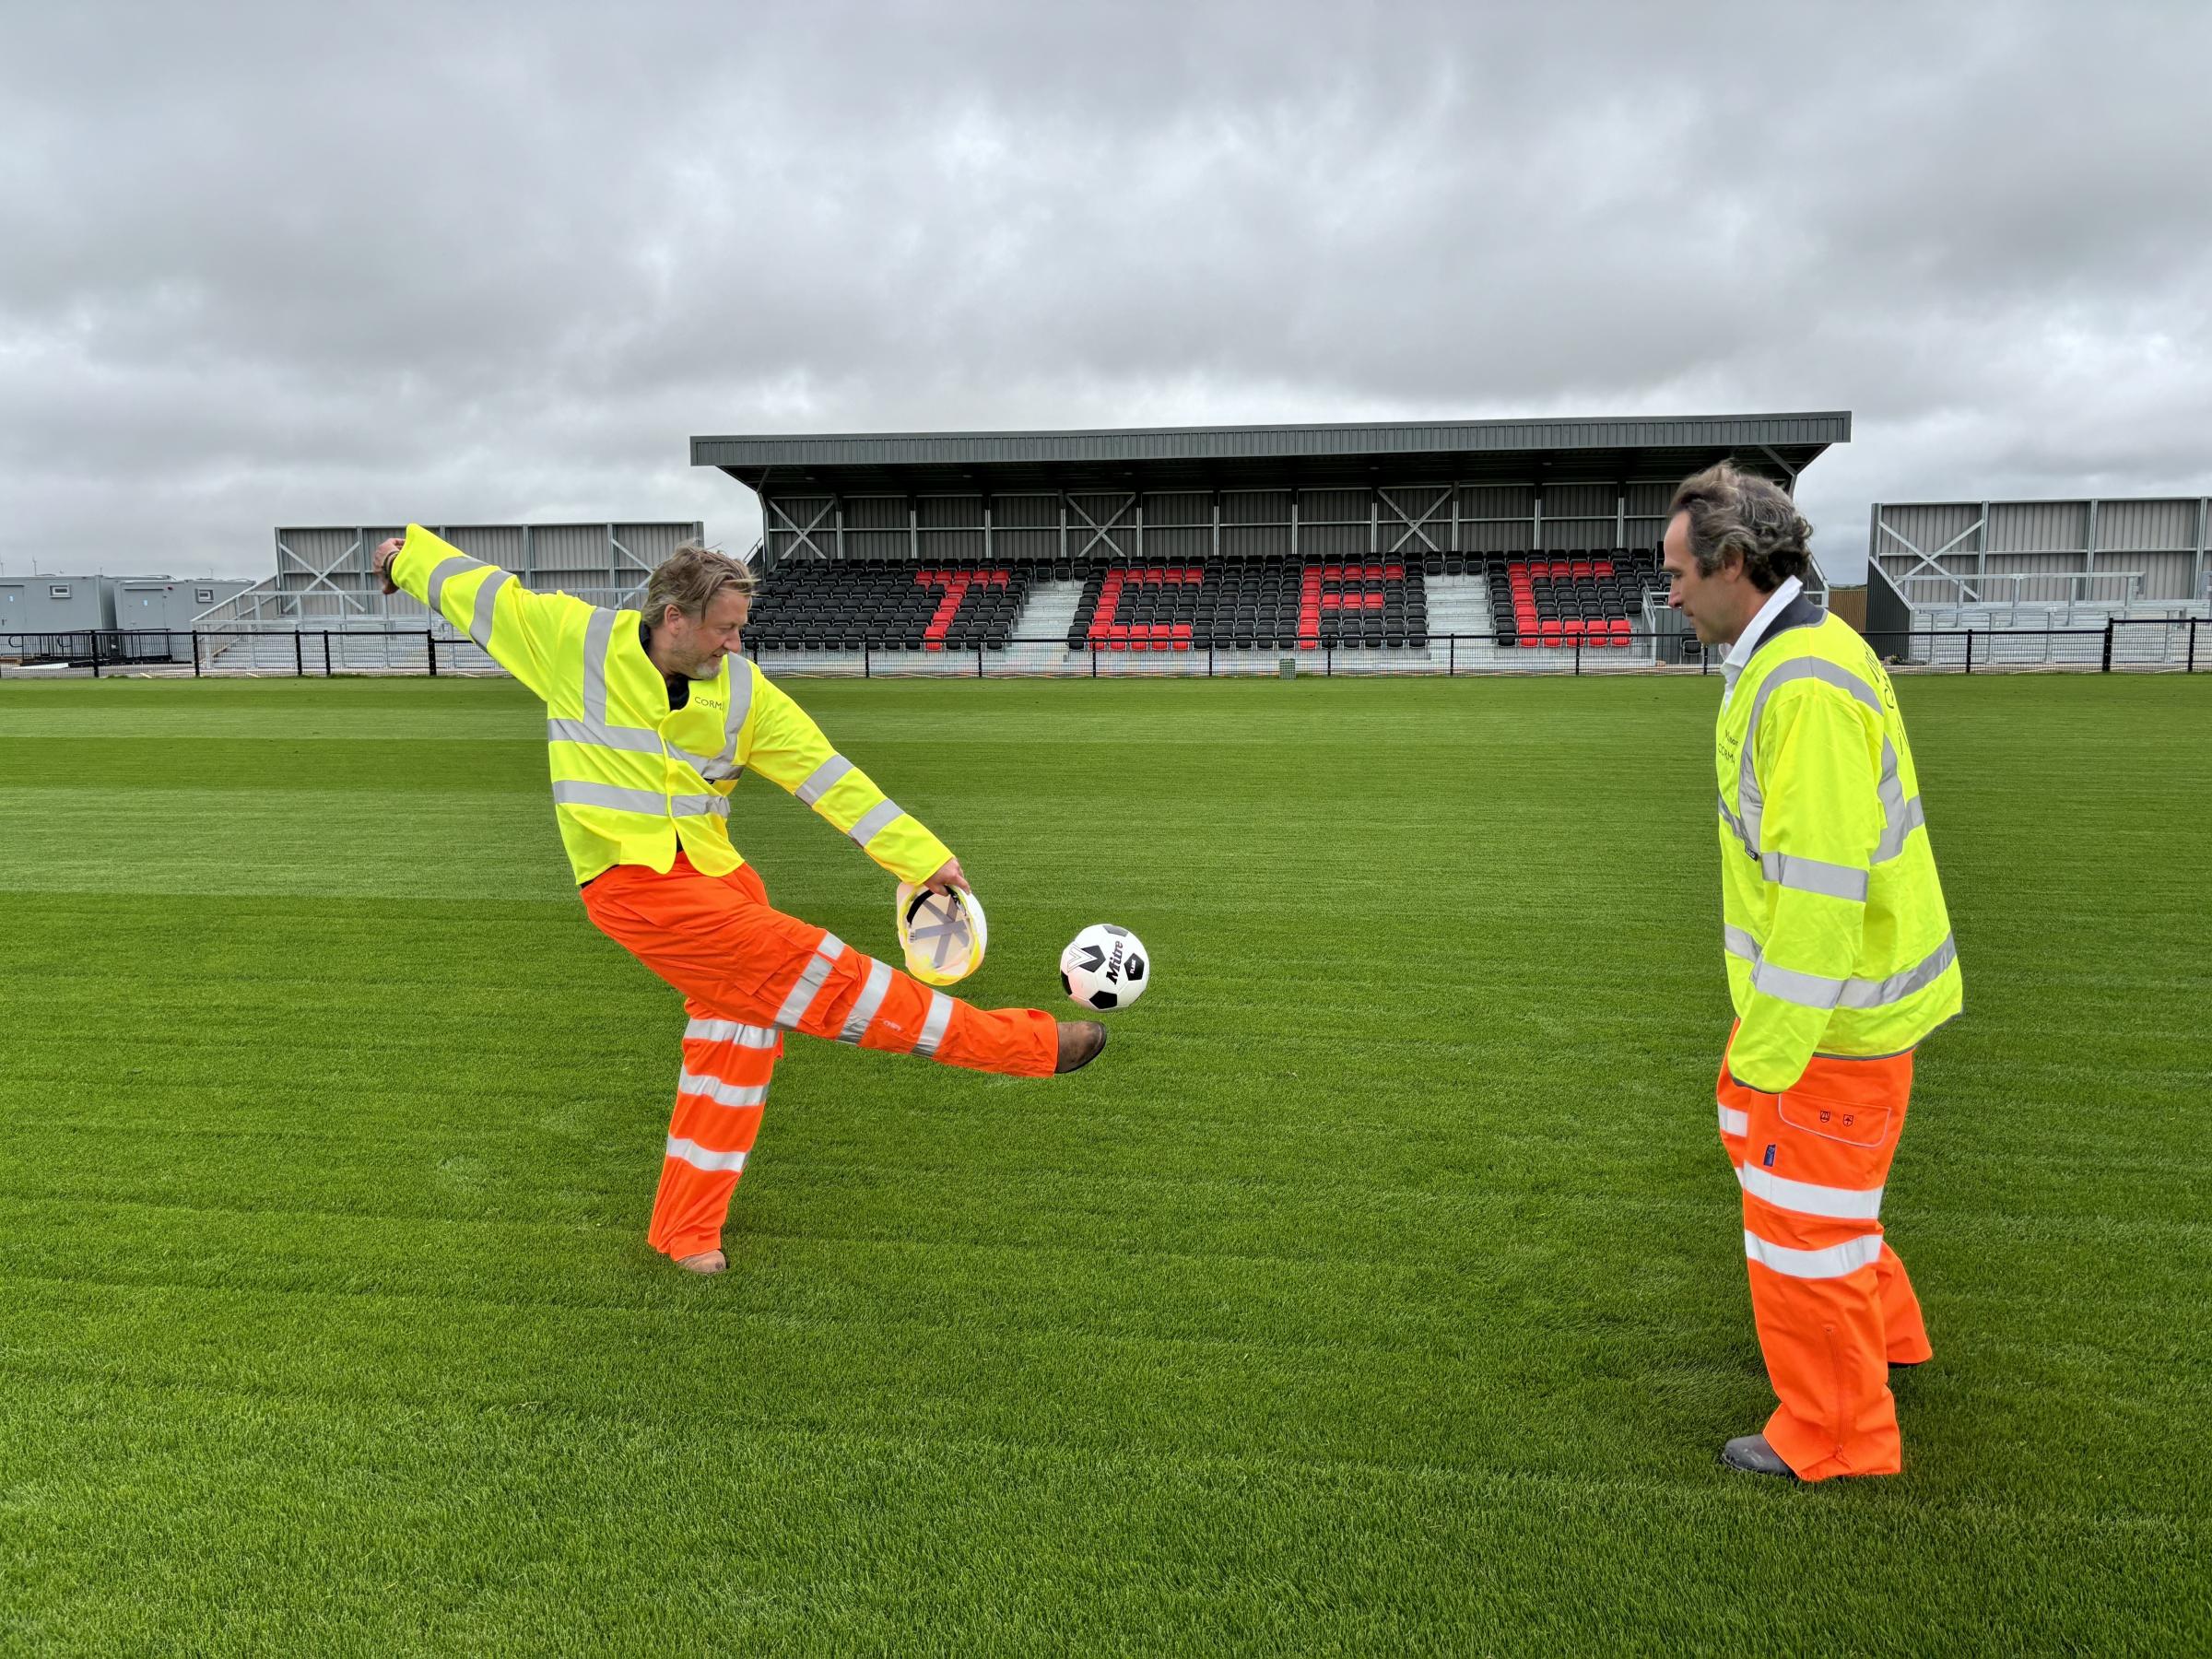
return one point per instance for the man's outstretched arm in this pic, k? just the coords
(790, 751)
(516, 626)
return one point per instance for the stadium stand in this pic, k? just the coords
(1159, 602)
(1242, 602)
(1593, 598)
(832, 606)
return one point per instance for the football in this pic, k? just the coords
(1105, 967)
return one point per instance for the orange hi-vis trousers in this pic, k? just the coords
(1830, 1299)
(749, 974)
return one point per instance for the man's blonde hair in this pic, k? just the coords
(690, 577)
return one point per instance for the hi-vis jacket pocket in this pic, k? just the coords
(1855, 1122)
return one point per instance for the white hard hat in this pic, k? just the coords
(943, 933)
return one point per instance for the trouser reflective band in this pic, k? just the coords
(1804, 1198)
(865, 1006)
(699, 1157)
(810, 984)
(932, 1029)
(730, 1030)
(1733, 1122)
(1831, 1263)
(721, 1093)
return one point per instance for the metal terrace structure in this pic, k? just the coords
(323, 583)
(1517, 534)
(2023, 565)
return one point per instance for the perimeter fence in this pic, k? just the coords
(2120, 644)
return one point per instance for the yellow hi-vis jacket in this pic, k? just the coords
(1837, 938)
(633, 779)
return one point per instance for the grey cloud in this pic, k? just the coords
(288, 264)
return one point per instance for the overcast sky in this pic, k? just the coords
(298, 263)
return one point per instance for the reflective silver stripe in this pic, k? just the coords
(1805, 990)
(1735, 824)
(1817, 991)
(443, 571)
(571, 792)
(932, 1029)
(1898, 825)
(1875, 994)
(1733, 1122)
(810, 983)
(819, 779)
(1748, 798)
(636, 740)
(875, 821)
(479, 627)
(730, 1031)
(1813, 875)
(700, 806)
(741, 703)
(699, 1157)
(871, 999)
(597, 635)
(721, 1093)
(1839, 1203)
(1832, 1262)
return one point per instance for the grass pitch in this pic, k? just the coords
(1380, 1291)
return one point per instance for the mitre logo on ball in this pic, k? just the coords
(1105, 967)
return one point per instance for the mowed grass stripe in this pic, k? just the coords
(1394, 1224)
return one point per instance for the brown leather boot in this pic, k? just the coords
(1081, 1041)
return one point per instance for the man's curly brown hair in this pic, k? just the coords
(1734, 511)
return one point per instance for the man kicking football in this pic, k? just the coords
(652, 719)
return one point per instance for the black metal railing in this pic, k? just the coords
(2120, 644)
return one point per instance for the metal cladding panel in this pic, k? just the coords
(942, 547)
(1926, 525)
(569, 547)
(1178, 507)
(1268, 541)
(495, 544)
(1026, 544)
(1578, 501)
(1334, 506)
(2168, 575)
(950, 512)
(1332, 541)
(1497, 501)
(2035, 564)
(1505, 536)
(654, 542)
(877, 545)
(1650, 500)
(1014, 511)
(2037, 526)
(2161, 526)
(1413, 499)
(1576, 535)
(1257, 507)
(322, 548)
(1179, 541)
(875, 513)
